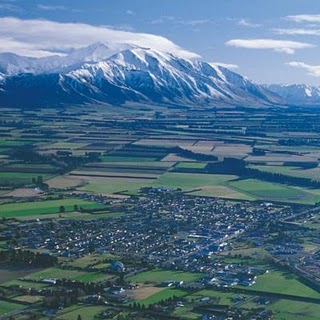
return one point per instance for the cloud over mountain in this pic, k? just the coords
(284, 46)
(38, 38)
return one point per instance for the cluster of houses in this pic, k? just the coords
(228, 275)
(160, 227)
(168, 229)
(164, 228)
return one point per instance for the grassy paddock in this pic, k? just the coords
(6, 307)
(158, 276)
(295, 310)
(87, 312)
(126, 159)
(44, 207)
(191, 165)
(57, 273)
(22, 177)
(284, 283)
(275, 192)
(292, 171)
(163, 295)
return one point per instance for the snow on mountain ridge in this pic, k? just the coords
(135, 74)
(11, 63)
(297, 94)
(192, 80)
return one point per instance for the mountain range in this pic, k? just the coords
(297, 94)
(95, 74)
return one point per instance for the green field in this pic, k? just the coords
(285, 283)
(262, 189)
(126, 159)
(191, 165)
(158, 276)
(111, 185)
(295, 310)
(22, 177)
(44, 207)
(275, 192)
(90, 260)
(139, 164)
(163, 295)
(313, 174)
(65, 145)
(76, 275)
(31, 165)
(14, 143)
(213, 185)
(224, 298)
(87, 312)
(6, 307)
(72, 216)
(25, 284)
(188, 181)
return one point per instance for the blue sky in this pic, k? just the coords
(274, 41)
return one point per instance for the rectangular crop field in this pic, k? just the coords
(273, 191)
(57, 273)
(158, 276)
(44, 207)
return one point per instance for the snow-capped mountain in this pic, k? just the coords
(133, 75)
(12, 64)
(297, 94)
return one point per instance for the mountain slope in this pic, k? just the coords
(13, 64)
(133, 75)
(297, 94)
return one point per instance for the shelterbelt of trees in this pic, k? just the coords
(28, 257)
(239, 167)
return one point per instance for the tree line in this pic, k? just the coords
(28, 257)
(239, 167)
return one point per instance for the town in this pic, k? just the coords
(165, 229)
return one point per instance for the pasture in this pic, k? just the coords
(276, 281)
(295, 310)
(86, 312)
(44, 207)
(191, 165)
(6, 307)
(57, 273)
(293, 171)
(158, 276)
(21, 177)
(212, 185)
(163, 295)
(258, 189)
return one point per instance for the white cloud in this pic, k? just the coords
(247, 23)
(51, 8)
(8, 44)
(283, 46)
(225, 65)
(163, 19)
(130, 12)
(10, 7)
(312, 70)
(296, 31)
(42, 37)
(193, 23)
(315, 18)
(179, 21)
